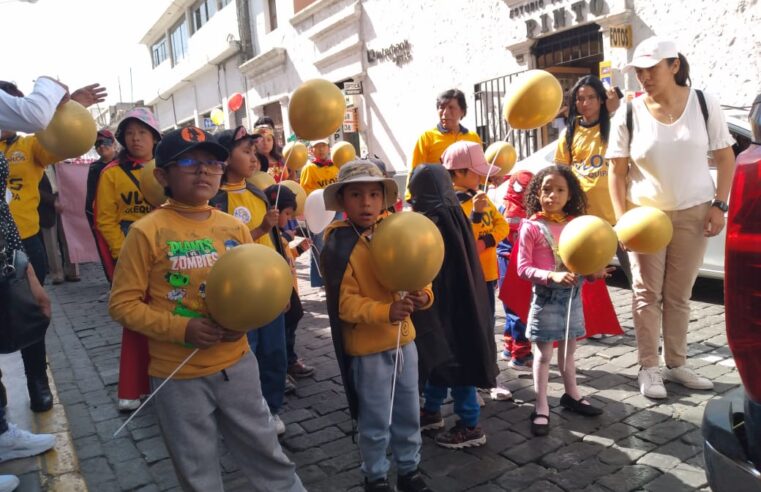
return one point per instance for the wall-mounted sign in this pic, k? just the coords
(558, 18)
(621, 36)
(399, 53)
(352, 88)
(351, 120)
(606, 73)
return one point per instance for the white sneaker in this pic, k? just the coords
(8, 483)
(128, 405)
(18, 443)
(279, 425)
(501, 394)
(651, 383)
(687, 378)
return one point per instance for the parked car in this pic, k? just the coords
(713, 260)
(732, 423)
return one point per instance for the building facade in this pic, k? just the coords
(392, 58)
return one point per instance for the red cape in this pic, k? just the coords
(599, 315)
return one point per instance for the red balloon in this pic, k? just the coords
(235, 101)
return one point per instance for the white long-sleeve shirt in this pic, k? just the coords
(33, 112)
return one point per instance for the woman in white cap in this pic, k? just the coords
(667, 135)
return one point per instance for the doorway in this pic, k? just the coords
(569, 55)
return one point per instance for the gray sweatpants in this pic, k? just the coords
(193, 412)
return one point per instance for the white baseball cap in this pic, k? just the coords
(651, 51)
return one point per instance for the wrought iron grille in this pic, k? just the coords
(490, 125)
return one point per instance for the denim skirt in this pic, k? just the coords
(549, 309)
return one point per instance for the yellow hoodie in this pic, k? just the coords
(364, 304)
(490, 227)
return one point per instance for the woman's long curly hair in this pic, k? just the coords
(577, 200)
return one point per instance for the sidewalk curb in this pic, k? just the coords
(59, 470)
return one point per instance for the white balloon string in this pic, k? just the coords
(396, 362)
(488, 173)
(134, 414)
(282, 173)
(313, 248)
(567, 329)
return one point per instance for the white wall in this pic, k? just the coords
(721, 40)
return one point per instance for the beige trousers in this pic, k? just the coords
(662, 287)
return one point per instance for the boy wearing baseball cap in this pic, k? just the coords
(364, 322)
(159, 289)
(248, 204)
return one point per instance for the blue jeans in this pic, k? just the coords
(372, 381)
(315, 279)
(268, 345)
(465, 402)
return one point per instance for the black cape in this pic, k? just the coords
(334, 258)
(455, 337)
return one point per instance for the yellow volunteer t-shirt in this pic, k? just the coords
(27, 160)
(247, 208)
(166, 259)
(314, 177)
(492, 224)
(590, 167)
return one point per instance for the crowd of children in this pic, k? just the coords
(235, 386)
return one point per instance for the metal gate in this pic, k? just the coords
(490, 125)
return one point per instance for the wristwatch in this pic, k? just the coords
(720, 205)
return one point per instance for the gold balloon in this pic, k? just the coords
(248, 287)
(645, 230)
(301, 195)
(316, 109)
(151, 189)
(587, 244)
(295, 155)
(71, 132)
(407, 251)
(533, 100)
(261, 180)
(503, 155)
(341, 153)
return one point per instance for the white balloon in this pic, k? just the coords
(316, 215)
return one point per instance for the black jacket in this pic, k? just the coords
(455, 337)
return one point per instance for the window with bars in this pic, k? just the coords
(490, 125)
(578, 47)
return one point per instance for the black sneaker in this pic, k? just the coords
(380, 485)
(430, 420)
(412, 482)
(461, 436)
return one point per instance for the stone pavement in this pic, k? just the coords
(637, 443)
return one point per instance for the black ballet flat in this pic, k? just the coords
(539, 429)
(578, 406)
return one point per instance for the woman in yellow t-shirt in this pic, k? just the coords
(583, 143)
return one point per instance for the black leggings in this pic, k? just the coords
(34, 356)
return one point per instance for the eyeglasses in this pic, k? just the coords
(194, 166)
(98, 143)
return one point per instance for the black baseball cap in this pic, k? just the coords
(177, 142)
(228, 138)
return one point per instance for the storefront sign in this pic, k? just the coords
(606, 73)
(558, 18)
(351, 120)
(399, 53)
(621, 36)
(352, 88)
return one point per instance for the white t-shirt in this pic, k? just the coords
(33, 112)
(669, 166)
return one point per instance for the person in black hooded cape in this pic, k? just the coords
(455, 339)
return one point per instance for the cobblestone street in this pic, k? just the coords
(636, 444)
